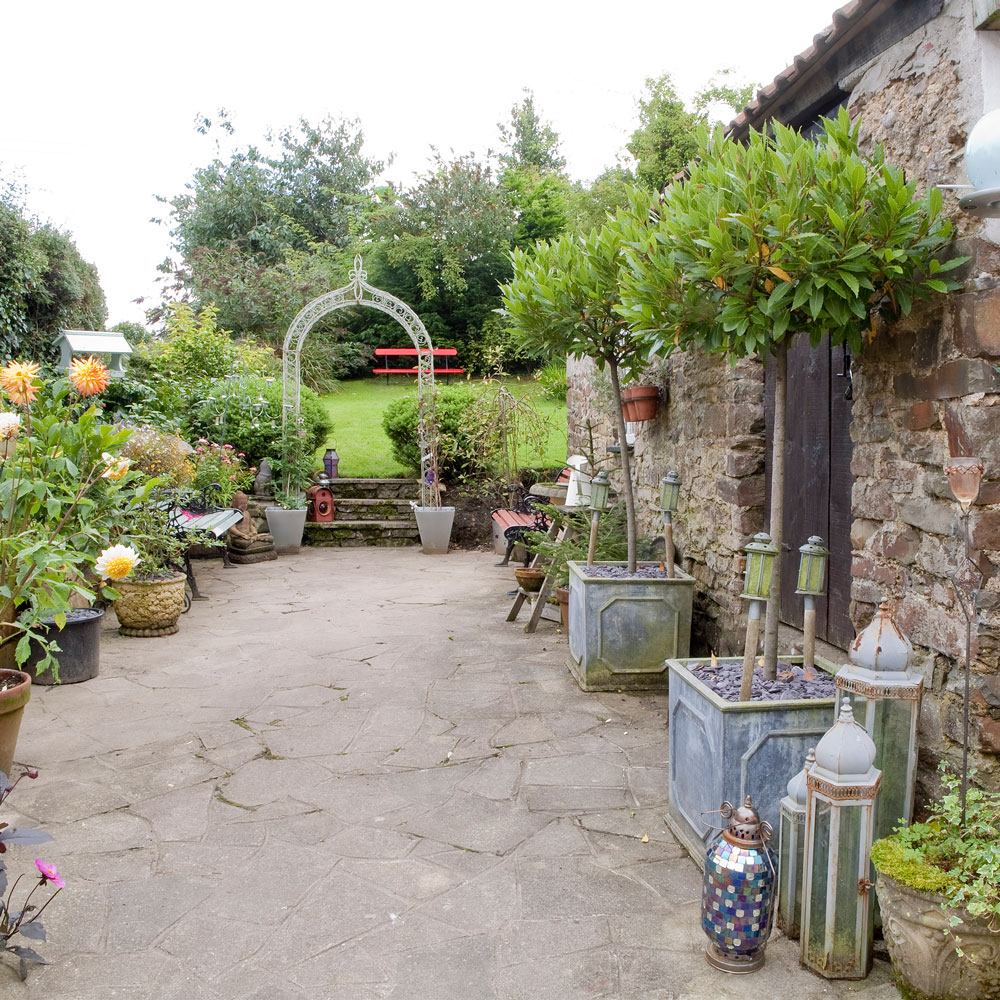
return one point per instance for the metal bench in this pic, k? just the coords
(195, 517)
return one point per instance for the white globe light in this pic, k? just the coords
(982, 152)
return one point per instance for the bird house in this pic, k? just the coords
(320, 499)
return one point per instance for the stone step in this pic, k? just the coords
(360, 533)
(382, 489)
(372, 509)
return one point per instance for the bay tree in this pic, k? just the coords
(562, 301)
(782, 236)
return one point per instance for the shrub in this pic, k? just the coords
(222, 466)
(457, 456)
(156, 453)
(552, 379)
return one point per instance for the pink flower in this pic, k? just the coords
(49, 873)
(241, 455)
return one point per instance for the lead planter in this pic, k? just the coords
(621, 631)
(434, 524)
(924, 960)
(722, 751)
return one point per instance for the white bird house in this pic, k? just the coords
(113, 347)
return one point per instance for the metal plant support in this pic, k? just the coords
(359, 293)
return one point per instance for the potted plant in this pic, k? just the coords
(938, 889)
(286, 520)
(563, 300)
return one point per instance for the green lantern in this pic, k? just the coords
(760, 553)
(600, 488)
(813, 557)
(670, 491)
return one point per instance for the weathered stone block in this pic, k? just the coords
(745, 462)
(861, 531)
(745, 492)
(901, 545)
(873, 500)
(978, 329)
(928, 515)
(954, 378)
(920, 416)
(985, 530)
(866, 569)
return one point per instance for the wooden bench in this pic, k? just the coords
(513, 523)
(194, 518)
(411, 352)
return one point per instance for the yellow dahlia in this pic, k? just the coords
(88, 376)
(116, 562)
(17, 380)
(116, 467)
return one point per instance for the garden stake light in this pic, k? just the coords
(600, 487)
(791, 852)
(812, 579)
(670, 491)
(964, 476)
(760, 555)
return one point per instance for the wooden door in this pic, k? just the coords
(818, 480)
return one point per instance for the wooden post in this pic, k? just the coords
(593, 537)
(750, 652)
(809, 633)
(668, 542)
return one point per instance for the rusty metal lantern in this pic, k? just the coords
(320, 501)
(737, 902)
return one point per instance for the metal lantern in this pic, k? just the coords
(812, 579)
(791, 852)
(760, 553)
(600, 488)
(885, 697)
(737, 898)
(837, 898)
(964, 476)
(670, 492)
(330, 462)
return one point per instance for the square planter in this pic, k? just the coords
(621, 631)
(722, 751)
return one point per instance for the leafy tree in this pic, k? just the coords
(665, 141)
(722, 91)
(781, 237)
(529, 142)
(591, 205)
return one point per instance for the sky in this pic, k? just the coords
(100, 98)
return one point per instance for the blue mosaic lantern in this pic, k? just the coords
(737, 900)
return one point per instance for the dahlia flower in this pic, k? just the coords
(10, 424)
(88, 376)
(17, 380)
(116, 562)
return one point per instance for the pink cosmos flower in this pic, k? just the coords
(49, 873)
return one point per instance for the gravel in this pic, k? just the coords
(726, 677)
(622, 573)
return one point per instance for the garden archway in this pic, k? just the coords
(359, 293)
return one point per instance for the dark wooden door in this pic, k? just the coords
(818, 480)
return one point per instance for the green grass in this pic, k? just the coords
(364, 450)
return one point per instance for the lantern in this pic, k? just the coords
(885, 697)
(837, 901)
(330, 462)
(812, 577)
(320, 503)
(982, 156)
(670, 492)
(760, 555)
(964, 476)
(791, 850)
(600, 487)
(737, 897)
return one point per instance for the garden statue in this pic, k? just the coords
(246, 544)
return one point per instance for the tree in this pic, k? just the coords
(665, 141)
(562, 300)
(781, 237)
(724, 93)
(529, 142)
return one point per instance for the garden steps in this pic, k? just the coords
(368, 512)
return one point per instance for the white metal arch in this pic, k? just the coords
(359, 293)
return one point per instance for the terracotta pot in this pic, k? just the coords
(644, 401)
(562, 595)
(150, 607)
(529, 578)
(12, 702)
(628, 409)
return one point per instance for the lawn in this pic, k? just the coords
(365, 451)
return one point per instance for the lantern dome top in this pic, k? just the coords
(881, 646)
(797, 786)
(846, 751)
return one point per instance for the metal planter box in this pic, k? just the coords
(621, 631)
(721, 751)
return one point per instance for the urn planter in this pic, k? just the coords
(924, 960)
(79, 648)
(622, 630)
(722, 751)
(150, 607)
(15, 690)
(434, 524)
(286, 527)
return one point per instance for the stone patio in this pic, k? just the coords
(348, 778)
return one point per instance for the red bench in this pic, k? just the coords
(411, 352)
(512, 524)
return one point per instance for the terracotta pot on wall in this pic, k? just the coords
(643, 400)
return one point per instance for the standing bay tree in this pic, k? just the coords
(782, 236)
(562, 301)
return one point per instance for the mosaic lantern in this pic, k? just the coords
(837, 899)
(791, 852)
(885, 697)
(738, 891)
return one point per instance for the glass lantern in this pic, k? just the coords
(982, 164)
(670, 492)
(760, 553)
(837, 898)
(964, 476)
(331, 460)
(813, 557)
(791, 852)
(600, 488)
(885, 697)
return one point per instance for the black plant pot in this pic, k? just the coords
(80, 648)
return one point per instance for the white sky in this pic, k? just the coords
(100, 98)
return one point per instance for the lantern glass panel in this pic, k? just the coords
(760, 569)
(818, 880)
(812, 572)
(670, 489)
(599, 489)
(791, 850)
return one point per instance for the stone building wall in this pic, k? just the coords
(928, 384)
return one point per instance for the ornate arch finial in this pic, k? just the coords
(357, 276)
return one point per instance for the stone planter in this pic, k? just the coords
(434, 524)
(924, 961)
(722, 751)
(79, 648)
(12, 702)
(621, 631)
(150, 607)
(286, 527)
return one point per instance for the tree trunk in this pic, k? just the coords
(616, 388)
(777, 508)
